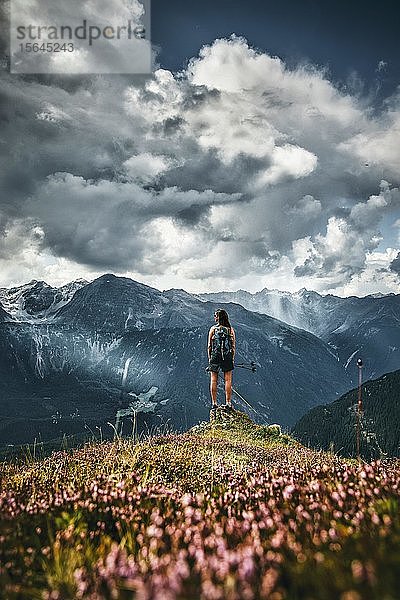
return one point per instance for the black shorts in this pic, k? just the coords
(217, 362)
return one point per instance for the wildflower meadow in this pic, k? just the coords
(220, 512)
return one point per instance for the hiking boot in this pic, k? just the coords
(228, 407)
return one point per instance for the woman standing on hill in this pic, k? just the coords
(221, 353)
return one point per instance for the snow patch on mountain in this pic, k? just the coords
(98, 349)
(143, 401)
(36, 301)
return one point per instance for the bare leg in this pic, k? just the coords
(228, 387)
(213, 388)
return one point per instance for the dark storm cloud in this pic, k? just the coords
(46, 129)
(172, 126)
(238, 156)
(205, 170)
(305, 270)
(108, 224)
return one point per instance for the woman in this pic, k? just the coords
(221, 353)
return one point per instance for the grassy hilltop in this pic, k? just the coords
(229, 509)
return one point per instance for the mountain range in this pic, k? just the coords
(93, 356)
(36, 299)
(354, 327)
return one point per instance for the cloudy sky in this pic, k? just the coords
(263, 151)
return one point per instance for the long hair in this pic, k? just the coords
(223, 318)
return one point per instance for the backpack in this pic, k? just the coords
(222, 340)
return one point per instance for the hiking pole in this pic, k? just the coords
(249, 366)
(241, 397)
(359, 405)
(243, 400)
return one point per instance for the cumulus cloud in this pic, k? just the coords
(377, 147)
(112, 224)
(342, 251)
(145, 168)
(375, 278)
(236, 171)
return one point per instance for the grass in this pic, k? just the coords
(229, 509)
